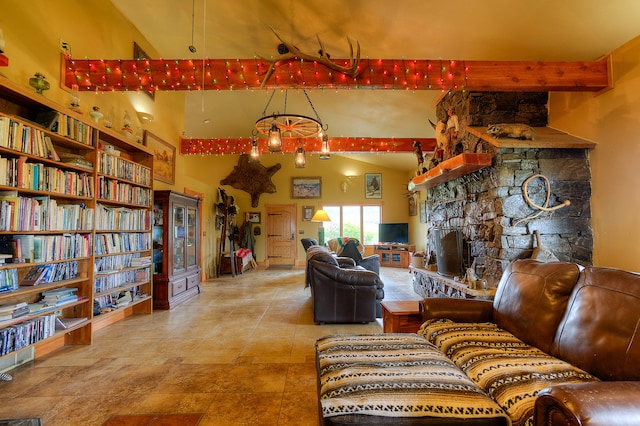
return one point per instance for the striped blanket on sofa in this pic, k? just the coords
(395, 375)
(509, 370)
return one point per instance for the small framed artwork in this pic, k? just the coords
(423, 211)
(164, 158)
(306, 187)
(307, 213)
(413, 208)
(373, 185)
(139, 54)
(253, 217)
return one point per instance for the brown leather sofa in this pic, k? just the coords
(588, 318)
(558, 345)
(342, 292)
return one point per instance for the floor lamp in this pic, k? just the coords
(320, 216)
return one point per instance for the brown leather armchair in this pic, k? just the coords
(342, 295)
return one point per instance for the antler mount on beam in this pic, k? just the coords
(293, 53)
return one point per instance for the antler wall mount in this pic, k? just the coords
(288, 52)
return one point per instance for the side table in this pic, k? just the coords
(401, 316)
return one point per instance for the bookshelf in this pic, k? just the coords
(76, 206)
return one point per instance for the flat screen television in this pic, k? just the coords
(393, 233)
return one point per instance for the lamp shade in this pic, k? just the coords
(320, 216)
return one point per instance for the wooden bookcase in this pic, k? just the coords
(394, 255)
(176, 248)
(57, 195)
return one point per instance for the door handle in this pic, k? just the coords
(292, 236)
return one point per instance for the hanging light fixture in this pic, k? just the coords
(274, 141)
(255, 154)
(278, 126)
(299, 160)
(325, 153)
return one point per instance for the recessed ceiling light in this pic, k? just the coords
(206, 121)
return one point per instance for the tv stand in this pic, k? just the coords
(394, 255)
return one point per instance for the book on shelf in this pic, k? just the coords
(12, 311)
(66, 323)
(59, 296)
(37, 275)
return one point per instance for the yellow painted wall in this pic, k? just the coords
(33, 29)
(212, 169)
(612, 119)
(98, 30)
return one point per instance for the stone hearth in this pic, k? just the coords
(489, 206)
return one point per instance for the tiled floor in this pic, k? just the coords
(240, 353)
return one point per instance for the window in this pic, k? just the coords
(357, 221)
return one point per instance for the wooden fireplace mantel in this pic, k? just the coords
(546, 137)
(450, 169)
(463, 164)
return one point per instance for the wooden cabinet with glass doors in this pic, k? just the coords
(176, 248)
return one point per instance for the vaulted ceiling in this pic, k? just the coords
(492, 30)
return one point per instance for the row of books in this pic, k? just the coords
(122, 218)
(124, 169)
(31, 140)
(121, 242)
(67, 126)
(8, 280)
(51, 272)
(29, 248)
(109, 189)
(110, 301)
(107, 264)
(21, 335)
(11, 311)
(58, 297)
(42, 214)
(104, 283)
(20, 173)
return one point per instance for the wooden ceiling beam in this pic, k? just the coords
(376, 74)
(362, 145)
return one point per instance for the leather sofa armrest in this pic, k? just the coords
(345, 262)
(459, 310)
(371, 263)
(593, 404)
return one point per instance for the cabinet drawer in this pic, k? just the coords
(192, 281)
(178, 287)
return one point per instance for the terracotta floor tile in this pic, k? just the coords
(242, 352)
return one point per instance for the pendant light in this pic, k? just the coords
(325, 153)
(299, 160)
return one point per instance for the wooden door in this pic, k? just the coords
(280, 230)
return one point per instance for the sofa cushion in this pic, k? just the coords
(601, 329)
(531, 299)
(321, 254)
(508, 369)
(395, 376)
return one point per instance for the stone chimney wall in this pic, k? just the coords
(489, 205)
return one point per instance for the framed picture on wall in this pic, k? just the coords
(423, 211)
(307, 213)
(373, 185)
(139, 54)
(413, 208)
(306, 187)
(164, 158)
(253, 217)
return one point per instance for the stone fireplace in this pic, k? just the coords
(489, 206)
